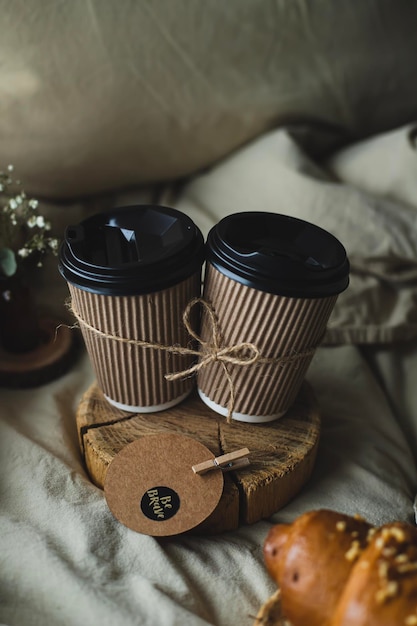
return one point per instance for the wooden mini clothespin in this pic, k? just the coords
(226, 462)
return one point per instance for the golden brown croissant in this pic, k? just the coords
(337, 570)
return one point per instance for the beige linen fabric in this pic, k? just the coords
(65, 561)
(98, 94)
(385, 165)
(275, 174)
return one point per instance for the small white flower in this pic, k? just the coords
(40, 221)
(32, 221)
(33, 204)
(10, 168)
(12, 203)
(23, 253)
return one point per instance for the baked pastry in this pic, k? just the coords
(308, 561)
(382, 587)
(337, 570)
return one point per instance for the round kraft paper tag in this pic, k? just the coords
(150, 485)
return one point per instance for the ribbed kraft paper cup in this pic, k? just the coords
(132, 377)
(277, 326)
(131, 273)
(272, 281)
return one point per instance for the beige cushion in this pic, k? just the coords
(103, 94)
(384, 165)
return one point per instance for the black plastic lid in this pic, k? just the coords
(131, 250)
(279, 254)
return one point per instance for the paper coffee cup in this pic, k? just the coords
(131, 273)
(272, 281)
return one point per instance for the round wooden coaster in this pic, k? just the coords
(282, 453)
(151, 487)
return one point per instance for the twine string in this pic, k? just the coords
(242, 354)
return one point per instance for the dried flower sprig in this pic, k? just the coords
(24, 232)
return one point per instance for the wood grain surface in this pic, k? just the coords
(282, 453)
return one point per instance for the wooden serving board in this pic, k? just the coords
(282, 453)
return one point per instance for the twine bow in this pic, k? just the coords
(243, 353)
(211, 351)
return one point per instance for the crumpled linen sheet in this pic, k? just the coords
(64, 559)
